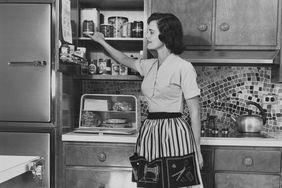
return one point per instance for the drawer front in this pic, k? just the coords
(247, 160)
(229, 180)
(83, 177)
(98, 154)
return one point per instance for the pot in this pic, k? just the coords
(249, 122)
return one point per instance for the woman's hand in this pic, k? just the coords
(97, 37)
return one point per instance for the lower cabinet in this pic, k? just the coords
(247, 167)
(246, 180)
(98, 177)
(97, 165)
(106, 165)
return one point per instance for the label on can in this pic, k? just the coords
(115, 69)
(123, 70)
(92, 67)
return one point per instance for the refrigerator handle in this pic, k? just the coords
(34, 63)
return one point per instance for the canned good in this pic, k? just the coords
(93, 67)
(129, 28)
(115, 69)
(137, 30)
(107, 30)
(104, 66)
(88, 27)
(123, 70)
(124, 30)
(117, 22)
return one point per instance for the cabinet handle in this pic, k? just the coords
(102, 186)
(102, 157)
(33, 63)
(203, 27)
(248, 161)
(224, 26)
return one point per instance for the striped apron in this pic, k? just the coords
(166, 135)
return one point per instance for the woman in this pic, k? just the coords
(168, 80)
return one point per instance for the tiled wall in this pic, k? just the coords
(224, 92)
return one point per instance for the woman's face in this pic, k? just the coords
(152, 36)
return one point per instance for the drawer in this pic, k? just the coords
(247, 160)
(94, 154)
(232, 180)
(83, 177)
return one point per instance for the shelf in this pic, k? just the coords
(108, 77)
(114, 39)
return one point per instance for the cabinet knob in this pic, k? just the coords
(248, 161)
(224, 26)
(203, 27)
(102, 157)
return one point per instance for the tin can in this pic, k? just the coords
(93, 67)
(117, 22)
(137, 30)
(124, 30)
(123, 70)
(107, 30)
(129, 27)
(108, 69)
(115, 69)
(88, 27)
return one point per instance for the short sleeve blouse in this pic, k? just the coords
(165, 87)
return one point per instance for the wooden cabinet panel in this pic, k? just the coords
(84, 177)
(195, 16)
(246, 22)
(230, 180)
(208, 159)
(95, 154)
(207, 180)
(247, 160)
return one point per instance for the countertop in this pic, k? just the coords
(14, 165)
(214, 141)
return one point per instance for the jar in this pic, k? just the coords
(117, 22)
(88, 27)
(137, 29)
(93, 67)
(107, 30)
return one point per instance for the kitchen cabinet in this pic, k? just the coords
(226, 24)
(98, 164)
(246, 23)
(135, 10)
(207, 170)
(247, 167)
(195, 16)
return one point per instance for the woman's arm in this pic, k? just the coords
(114, 53)
(194, 111)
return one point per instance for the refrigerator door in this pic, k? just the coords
(27, 144)
(25, 62)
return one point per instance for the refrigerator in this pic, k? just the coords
(27, 85)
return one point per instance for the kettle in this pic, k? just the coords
(250, 123)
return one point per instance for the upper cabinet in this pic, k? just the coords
(195, 16)
(123, 23)
(246, 22)
(226, 24)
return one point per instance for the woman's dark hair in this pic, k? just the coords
(171, 33)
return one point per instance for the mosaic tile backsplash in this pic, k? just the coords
(224, 92)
